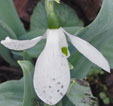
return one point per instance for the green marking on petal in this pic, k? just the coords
(58, 1)
(65, 50)
(71, 66)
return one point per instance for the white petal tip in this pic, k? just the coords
(105, 66)
(108, 69)
(2, 42)
(7, 39)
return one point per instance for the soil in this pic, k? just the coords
(87, 11)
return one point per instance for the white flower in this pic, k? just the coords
(52, 74)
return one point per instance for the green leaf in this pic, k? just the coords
(29, 94)
(67, 102)
(98, 33)
(9, 15)
(58, 104)
(5, 30)
(80, 94)
(5, 53)
(107, 50)
(11, 93)
(39, 18)
(67, 16)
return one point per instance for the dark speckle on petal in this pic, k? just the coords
(61, 94)
(58, 83)
(62, 86)
(58, 90)
(49, 86)
(53, 79)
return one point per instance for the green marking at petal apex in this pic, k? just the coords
(58, 1)
(65, 50)
(71, 66)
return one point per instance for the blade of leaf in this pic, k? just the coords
(5, 30)
(67, 102)
(29, 94)
(11, 93)
(5, 53)
(67, 15)
(80, 94)
(107, 50)
(9, 15)
(59, 104)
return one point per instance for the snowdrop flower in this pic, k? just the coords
(52, 74)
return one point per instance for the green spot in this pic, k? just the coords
(65, 50)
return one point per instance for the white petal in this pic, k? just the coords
(20, 44)
(89, 51)
(52, 75)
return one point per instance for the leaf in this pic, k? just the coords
(68, 17)
(29, 94)
(11, 93)
(107, 50)
(9, 15)
(5, 53)
(67, 102)
(79, 93)
(5, 30)
(98, 33)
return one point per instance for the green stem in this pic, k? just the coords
(49, 6)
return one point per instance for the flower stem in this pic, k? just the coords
(53, 20)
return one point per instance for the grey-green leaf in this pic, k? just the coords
(107, 50)
(5, 30)
(30, 98)
(80, 94)
(9, 15)
(11, 93)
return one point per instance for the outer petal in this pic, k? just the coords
(52, 75)
(89, 51)
(20, 44)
